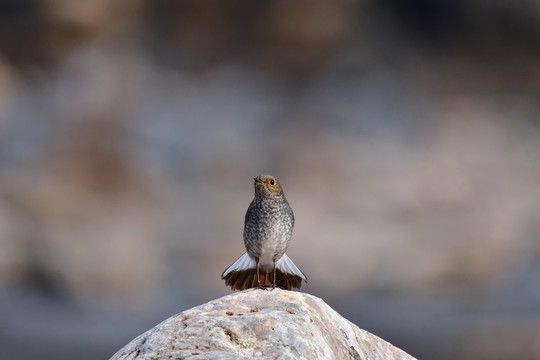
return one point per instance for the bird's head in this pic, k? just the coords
(267, 186)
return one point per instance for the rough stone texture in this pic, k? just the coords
(260, 324)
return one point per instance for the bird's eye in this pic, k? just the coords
(272, 182)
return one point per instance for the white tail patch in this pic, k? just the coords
(244, 262)
(286, 265)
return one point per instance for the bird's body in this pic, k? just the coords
(268, 228)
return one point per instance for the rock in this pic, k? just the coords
(260, 324)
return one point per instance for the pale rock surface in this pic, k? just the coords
(260, 324)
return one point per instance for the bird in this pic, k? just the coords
(268, 228)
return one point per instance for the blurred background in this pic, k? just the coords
(406, 136)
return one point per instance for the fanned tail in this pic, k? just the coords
(242, 274)
(286, 265)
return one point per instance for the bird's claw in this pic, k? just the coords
(267, 288)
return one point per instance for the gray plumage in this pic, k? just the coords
(268, 229)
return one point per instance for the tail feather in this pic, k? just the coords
(242, 274)
(286, 265)
(244, 262)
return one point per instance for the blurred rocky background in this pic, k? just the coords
(406, 135)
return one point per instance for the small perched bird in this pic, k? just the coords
(268, 228)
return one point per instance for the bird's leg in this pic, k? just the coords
(258, 276)
(274, 282)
